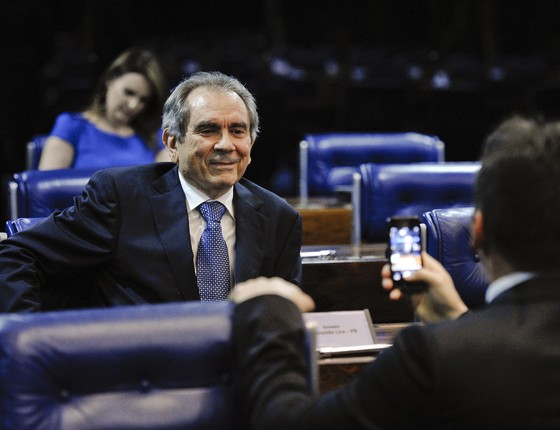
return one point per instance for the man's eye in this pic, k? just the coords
(238, 131)
(207, 131)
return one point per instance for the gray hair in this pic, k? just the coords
(176, 114)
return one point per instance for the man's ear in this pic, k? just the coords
(478, 231)
(170, 143)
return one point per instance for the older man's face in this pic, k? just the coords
(216, 148)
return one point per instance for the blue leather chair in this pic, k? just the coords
(33, 151)
(328, 161)
(38, 193)
(448, 235)
(410, 190)
(166, 366)
(14, 226)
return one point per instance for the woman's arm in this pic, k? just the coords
(57, 154)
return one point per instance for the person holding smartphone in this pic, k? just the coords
(493, 368)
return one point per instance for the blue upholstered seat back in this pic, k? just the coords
(333, 158)
(14, 226)
(449, 241)
(37, 193)
(145, 367)
(410, 190)
(33, 150)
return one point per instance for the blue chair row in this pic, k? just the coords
(328, 164)
(384, 190)
(408, 190)
(328, 161)
(38, 193)
(165, 366)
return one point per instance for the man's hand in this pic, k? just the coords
(263, 286)
(440, 301)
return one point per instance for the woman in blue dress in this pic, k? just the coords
(121, 126)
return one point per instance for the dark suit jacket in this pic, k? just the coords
(496, 368)
(128, 235)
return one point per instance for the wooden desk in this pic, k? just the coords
(350, 279)
(325, 221)
(336, 372)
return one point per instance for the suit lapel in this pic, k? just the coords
(251, 231)
(170, 215)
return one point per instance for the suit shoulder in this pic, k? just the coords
(267, 196)
(146, 172)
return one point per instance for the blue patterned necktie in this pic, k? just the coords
(212, 261)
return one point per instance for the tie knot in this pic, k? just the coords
(212, 211)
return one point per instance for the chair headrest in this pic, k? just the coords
(410, 190)
(449, 241)
(333, 157)
(39, 193)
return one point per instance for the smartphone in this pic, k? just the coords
(404, 251)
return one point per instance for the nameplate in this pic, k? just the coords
(343, 332)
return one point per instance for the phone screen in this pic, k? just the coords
(405, 245)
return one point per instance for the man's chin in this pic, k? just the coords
(225, 181)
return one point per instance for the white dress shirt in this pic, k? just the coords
(194, 198)
(505, 283)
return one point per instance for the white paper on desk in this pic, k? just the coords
(344, 332)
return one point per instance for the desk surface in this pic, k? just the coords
(318, 254)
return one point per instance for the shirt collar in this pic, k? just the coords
(195, 197)
(505, 283)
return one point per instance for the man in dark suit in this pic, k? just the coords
(495, 368)
(132, 237)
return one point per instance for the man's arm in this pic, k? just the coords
(396, 390)
(79, 237)
(270, 342)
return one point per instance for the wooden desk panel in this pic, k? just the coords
(325, 220)
(326, 226)
(335, 373)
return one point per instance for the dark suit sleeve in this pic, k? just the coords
(395, 391)
(77, 238)
(289, 262)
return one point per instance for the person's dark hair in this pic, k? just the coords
(176, 113)
(518, 193)
(144, 62)
(515, 133)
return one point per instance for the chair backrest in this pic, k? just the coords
(410, 190)
(165, 366)
(328, 161)
(38, 193)
(14, 226)
(448, 234)
(160, 366)
(33, 151)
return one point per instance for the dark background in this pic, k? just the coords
(449, 68)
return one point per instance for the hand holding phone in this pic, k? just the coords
(404, 251)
